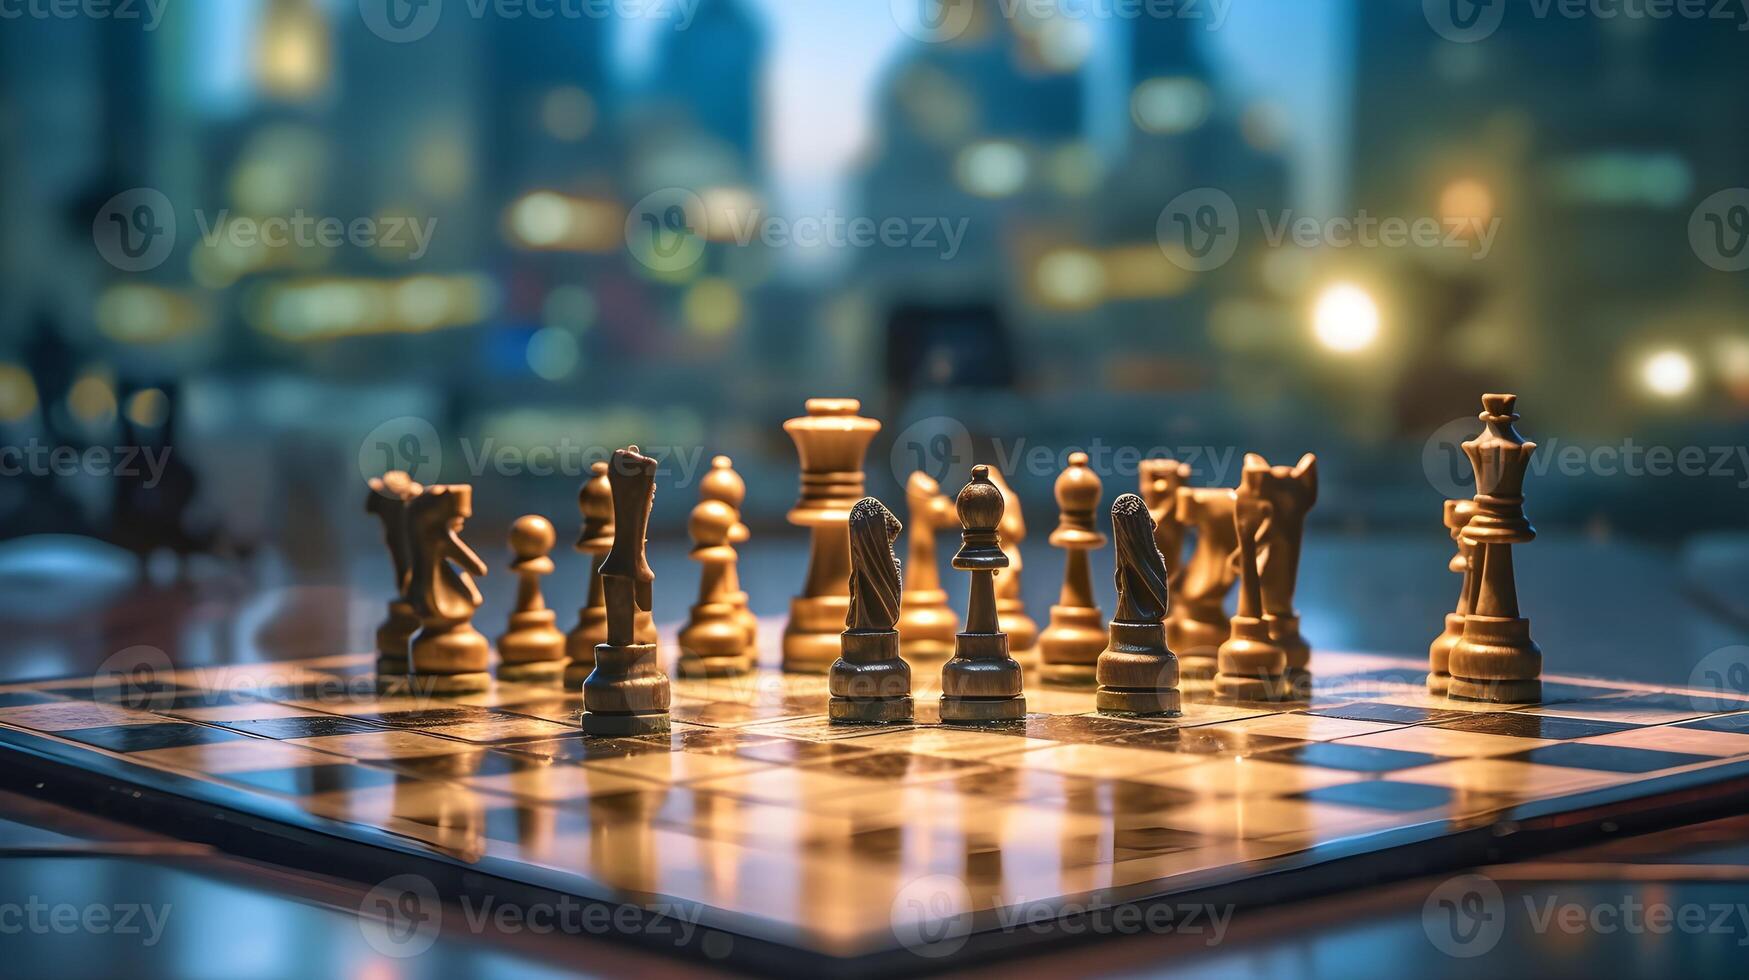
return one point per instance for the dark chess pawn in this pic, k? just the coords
(1072, 642)
(724, 484)
(870, 682)
(627, 692)
(1138, 674)
(388, 499)
(982, 683)
(1291, 491)
(714, 641)
(532, 650)
(1251, 665)
(448, 655)
(1457, 517)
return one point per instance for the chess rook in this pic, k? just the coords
(448, 656)
(1457, 515)
(982, 683)
(722, 483)
(627, 692)
(532, 650)
(1071, 644)
(1291, 491)
(1496, 660)
(387, 499)
(831, 441)
(713, 643)
(1010, 607)
(870, 683)
(1251, 666)
(926, 623)
(1137, 672)
(1198, 625)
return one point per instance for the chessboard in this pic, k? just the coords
(793, 844)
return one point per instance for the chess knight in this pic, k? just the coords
(449, 656)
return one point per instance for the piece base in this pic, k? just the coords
(1438, 684)
(972, 711)
(535, 672)
(1112, 701)
(596, 723)
(887, 711)
(1495, 692)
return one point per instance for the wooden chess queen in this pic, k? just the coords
(831, 441)
(448, 655)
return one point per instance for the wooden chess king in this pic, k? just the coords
(831, 441)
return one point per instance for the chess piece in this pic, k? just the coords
(388, 499)
(714, 641)
(448, 656)
(1496, 660)
(1251, 666)
(627, 693)
(1137, 672)
(1071, 644)
(926, 623)
(595, 503)
(870, 682)
(1199, 625)
(982, 682)
(1010, 607)
(831, 441)
(1160, 480)
(1291, 492)
(1457, 515)
(532, 650)
(724, 484)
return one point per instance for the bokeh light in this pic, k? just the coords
(1345, 318)
(1668, 373)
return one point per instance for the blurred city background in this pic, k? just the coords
(255, 249)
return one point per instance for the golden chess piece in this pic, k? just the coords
(1159, 481)
(533, 649)
(595, 503)
(1137, 671)
(724, 484)
(1291, 492)
(982, 683)
(870, 683)
(1198, 624)
(388, 498)
(1496, 660)
(713, 642)
(1457, 515)
(1251, 665)
(448, 656)
(1010, 607)
(831, 441)
(1070, 646)
(627, 693)
(926, 623)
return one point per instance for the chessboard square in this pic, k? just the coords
(1354, 758)
(1101, 760)
(555, 782)
(574, 749)
(453, 765)
(1249, 777)
(808, 789)
(1080, 728)
(1129, 843)
(310, 780)
(140, 738)
(1383, 794)
(18, 699)
(305, 726)
(1668, 738)
(819, 728)
(250, 711)
(1251, 817)
(427, 716)
(674, 767)
(1645, 709)
(898, 767)
(244, 755)
(1607, 758)
(1390, 713)
(526, 825)
(728, 713)
(1303, 727)
(129, 691)
(1521, 724)
(395, 744)
(565, 709)
(194, 700)
(68, 715)
(505, 728)
(692, 738)
(955, 743)
(1447, 742)
(1507, 778)
(1738, 723)
(1204, 740)
(1210, 712)
(789, 751)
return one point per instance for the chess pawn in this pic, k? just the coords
(627, 693)
(1496, 660)
(831, 441)
(1010, 607)
(724, 484)
(1251, 666)
(1070, 646)
(982, 682)
(714, 641)
(448, 656)
(870, 682)
(533, 649)
(388, 499)
(1291, 492)
(1199, 625)
(595, 503)
(926, 623)
(1457, 515)
(1137, 672)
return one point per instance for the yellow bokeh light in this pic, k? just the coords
(1345, 318)
(1071, 279)
(92, 399)
(148, 408)
(1468, 204)
(17, 393)
(1668, 374)
(1169, 105)
(992, 169)
(712, 307)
